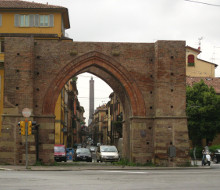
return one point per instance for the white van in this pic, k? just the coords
(107, 153)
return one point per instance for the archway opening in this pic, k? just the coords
(127, 98)
(76, 126)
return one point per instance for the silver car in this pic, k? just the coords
(107, 153)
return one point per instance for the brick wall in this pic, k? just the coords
(148, 78)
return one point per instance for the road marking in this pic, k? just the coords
(6, 169)
(128, 172)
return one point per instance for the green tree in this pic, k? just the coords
(203, 111)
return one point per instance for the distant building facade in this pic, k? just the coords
(196, 67)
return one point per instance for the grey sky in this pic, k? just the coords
(144, 21)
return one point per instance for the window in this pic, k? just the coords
(0, 20)
(44, 20)
(191, 61)
(24, 20)
(34, 20)
(2, 46)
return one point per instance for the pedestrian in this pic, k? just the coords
(203, 155)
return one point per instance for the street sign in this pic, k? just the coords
(26, 112)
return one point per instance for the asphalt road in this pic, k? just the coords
(179, 179)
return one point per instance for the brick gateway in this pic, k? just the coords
(149, 79)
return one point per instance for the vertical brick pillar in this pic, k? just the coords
(46, 138)
(141, 140)
(18, 94)
(19, 73)
(126, 140)
(170, 123)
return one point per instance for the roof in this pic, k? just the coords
(194, 49)
(210, 81)
(208, 62)
(30, 6)
(25, 5)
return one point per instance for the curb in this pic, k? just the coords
(81, 168)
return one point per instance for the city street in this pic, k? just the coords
(184, 178)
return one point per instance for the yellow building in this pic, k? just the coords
(115, 119)
(196, 67)
(21, 17)
(197, 70)
(100, 125)
(41, 21)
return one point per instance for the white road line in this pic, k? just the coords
(6, 169)
(128, 172)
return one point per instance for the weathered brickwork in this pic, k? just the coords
(148, 78)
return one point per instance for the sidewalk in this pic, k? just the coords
(79, 167)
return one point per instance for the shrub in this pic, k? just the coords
(125, 162)
(213, 148)
(198, 152)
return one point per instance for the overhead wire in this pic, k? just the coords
(95, 98)
(203, 3)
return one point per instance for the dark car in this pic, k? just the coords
(216, 156)
(83, 154)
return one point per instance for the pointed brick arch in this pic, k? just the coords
(103, 62)
(149, 76)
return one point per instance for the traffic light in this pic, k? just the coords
(29, 127)
(21, 125)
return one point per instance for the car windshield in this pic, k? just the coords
(59, 149)
(108, 149)
(82, 150)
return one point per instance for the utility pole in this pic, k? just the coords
(25, 128)
(26, 142)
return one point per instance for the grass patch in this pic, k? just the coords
(125, 162)
(186, 164)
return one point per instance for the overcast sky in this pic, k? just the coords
(142, 21)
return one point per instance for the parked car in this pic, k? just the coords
(92, 148)
(216, 156)
(83, 154)
(60, 153)
(107, 153)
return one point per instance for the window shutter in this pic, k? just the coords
(0, 20)
(51, 21)
(191, 61)
(31, 20)
(36, 21)
(17, 20)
